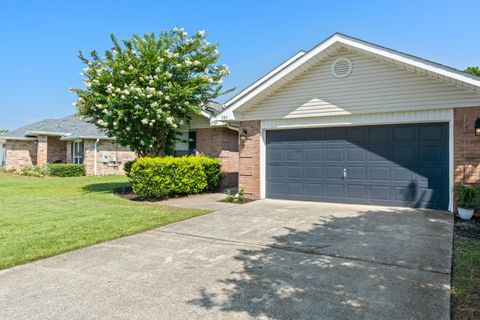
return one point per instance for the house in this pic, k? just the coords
(353, 122)
(346, 122)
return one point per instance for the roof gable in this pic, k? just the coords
(330, 47)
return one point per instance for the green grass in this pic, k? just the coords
(466, 280)
(42, 217)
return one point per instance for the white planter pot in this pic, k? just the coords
(465, 214)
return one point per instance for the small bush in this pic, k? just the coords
(166, 176)
(66, 170)
(237, 197)
(468, 197)
(33, 171)
(127, 167)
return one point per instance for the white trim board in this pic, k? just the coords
(439, 115)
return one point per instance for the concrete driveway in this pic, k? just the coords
(264, 260)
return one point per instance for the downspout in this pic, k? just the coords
(230, 126)
(95, 157)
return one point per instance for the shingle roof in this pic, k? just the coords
(69, 127)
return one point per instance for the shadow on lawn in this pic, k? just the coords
(292, 279)
(110, 187)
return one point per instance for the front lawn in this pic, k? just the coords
(466, 270)
(41, 217)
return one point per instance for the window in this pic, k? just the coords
(187, 144)
(77, 152)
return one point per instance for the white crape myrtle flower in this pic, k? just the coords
(128, 128)
(101, 123)
(168, 74)
(196, 62)
(142, 143)
(137, 106)
(201, 33)
(87, 84)
(130, 67)
(160, 60)
(123, 97)
(95, 81)
(86, 69)
(188, 62)
(157, 70)
(178, 65)
(175, 29)
(210, 80)
(122, 72)
(151, 82)
(167, 98)
(74, 104)
(144, 121)
(169, 120)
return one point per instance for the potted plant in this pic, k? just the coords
(468, 201)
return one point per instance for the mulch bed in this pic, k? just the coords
(127, 193)
(467, 229)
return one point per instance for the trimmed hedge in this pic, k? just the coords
(166, 176)
(127, 167)
(66, 170)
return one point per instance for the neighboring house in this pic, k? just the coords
(66, 140)
(354, 122)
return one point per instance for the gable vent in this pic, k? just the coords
(342, 67)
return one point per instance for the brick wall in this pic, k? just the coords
(221, 143)
(56, 150)
(112, 151)
(20, 153)
(250, 159)
(466, 146)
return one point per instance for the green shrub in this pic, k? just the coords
(161, 177)
(66, 170)
(127, 167)
(33, 171)
(468, 197)
(238, 197)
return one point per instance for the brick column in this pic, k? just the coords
(466, 146)
(249, 171)
(42, 150)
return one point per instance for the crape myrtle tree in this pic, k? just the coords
(143, 89)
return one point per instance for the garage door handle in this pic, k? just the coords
(344, 173)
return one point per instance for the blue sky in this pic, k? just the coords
(40, 39)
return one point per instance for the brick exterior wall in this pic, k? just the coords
(42, 150)
(112, 151)
(221, 143)
(466, 146)
(250, 158)
(56, 150)
(20, 153)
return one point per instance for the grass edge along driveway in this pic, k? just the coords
(42, 217)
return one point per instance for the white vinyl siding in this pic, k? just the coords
(372, 87)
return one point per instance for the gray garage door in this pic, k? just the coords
(399, 165)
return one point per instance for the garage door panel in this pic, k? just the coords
(356, 173)
(294, 154)
(313, 172)
(276, 171)
(313, 154)
(403, 154)
(357, 192)
(404, 175)
(333, 172)
(314, 189)
(379, 174)
(275, 154)
(379, 134)
(380, 193)
(356, 154)
(400, 165)
(377, 153)
(295, 188)
(294, 171)
(334, 154)
(333, 190)
(404, 134)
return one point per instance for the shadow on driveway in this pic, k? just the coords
(334, 270)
